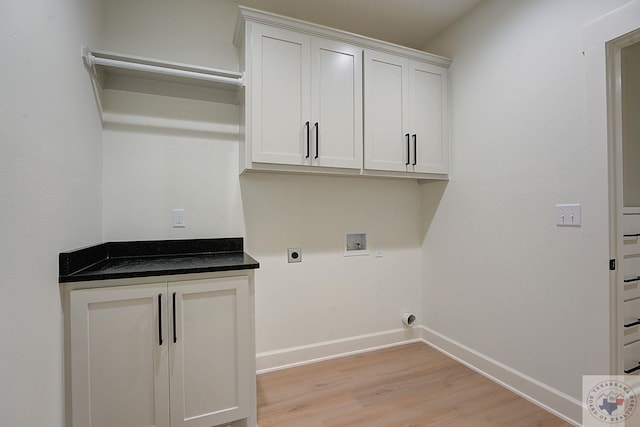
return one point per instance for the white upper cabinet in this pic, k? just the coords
(280, 96)
(336, 108)
(405, 115)
(428, 118)
(305, 109)
(305, 100)
(386, 112)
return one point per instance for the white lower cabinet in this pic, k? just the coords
(164, 355)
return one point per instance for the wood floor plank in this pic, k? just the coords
(406, 386)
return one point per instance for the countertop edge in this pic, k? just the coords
(115, 276)
(79, 265)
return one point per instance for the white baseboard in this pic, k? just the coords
(558, 403)
(296, 356)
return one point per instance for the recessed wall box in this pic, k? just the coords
(355, 244)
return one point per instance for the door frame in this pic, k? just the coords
(614, 73)
(602, 40)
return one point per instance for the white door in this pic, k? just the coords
(119, 356)
(280, 96)
(429, 119)
(386, 101)
(336, 99)
(210, 366)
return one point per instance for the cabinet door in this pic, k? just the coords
(119, 357)
(209, 365)
(336, 100)
(429, 124)
(280, 96)
(386, 101)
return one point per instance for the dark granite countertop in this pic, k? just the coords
(121, 260)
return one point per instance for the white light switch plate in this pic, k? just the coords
(569, 214)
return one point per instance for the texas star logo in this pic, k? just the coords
(611, 401)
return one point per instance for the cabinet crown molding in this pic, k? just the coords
(246, 14)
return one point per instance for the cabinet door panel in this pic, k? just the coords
(428, 117)
(119, 369)
(209, 367)
(281, 95)
(336, 104)
(386, 116)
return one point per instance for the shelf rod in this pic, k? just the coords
(93, 60)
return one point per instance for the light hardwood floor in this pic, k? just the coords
(410, 385)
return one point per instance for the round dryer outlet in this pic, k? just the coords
(294, 254)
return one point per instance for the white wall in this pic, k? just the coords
(198, 32)
(162, 153)
(50, 193)
(329, 296)
(498, 275)
(148, 170)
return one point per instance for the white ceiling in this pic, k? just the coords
(405, 22)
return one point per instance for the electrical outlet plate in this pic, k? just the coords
(569, 215)
(179, 218)
(294, 255)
